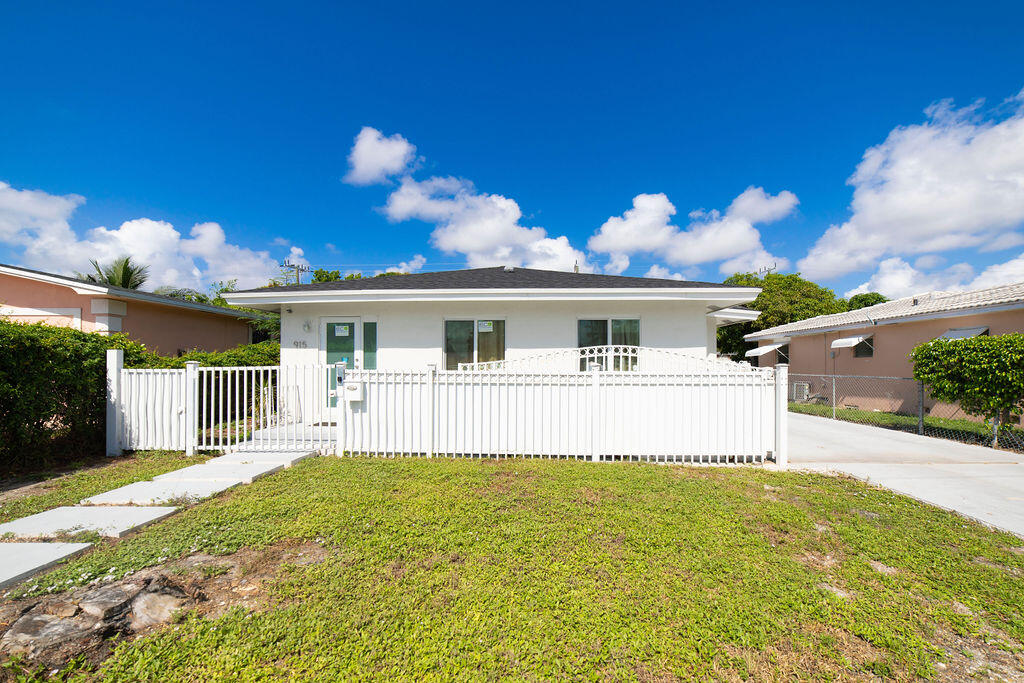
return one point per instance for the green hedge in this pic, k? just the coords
(53, 389)
(984, 375)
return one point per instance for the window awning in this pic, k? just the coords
(761, 350)
(964, 332)
(847, 342)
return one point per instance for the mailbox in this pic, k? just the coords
(352, 391)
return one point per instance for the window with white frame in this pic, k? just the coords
(608, 332)
(473, 341)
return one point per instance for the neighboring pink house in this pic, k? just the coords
(166, 325)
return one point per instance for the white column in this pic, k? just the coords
(115, 363)
(191, 406)
(782, 415)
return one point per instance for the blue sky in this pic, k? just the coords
(214, 139)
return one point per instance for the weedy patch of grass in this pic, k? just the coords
(69, 489)
(538, 569)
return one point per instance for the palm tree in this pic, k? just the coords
(121, 272)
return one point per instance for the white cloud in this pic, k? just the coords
(1000, 274)
(929, 261)
(297, 256)
(1007, 240)
(375, 158)
(897, 278)
(730, 238)
(954, 181)
(663, 273)
(38, 224)
(617, 264)
(281, 242)
(411, 266)
(484, 227)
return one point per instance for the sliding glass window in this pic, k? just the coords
(473, 341)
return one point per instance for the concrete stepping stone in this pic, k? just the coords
(18, 561)
(161, 492)
(228, 471)
(106, 521)
(286, 458)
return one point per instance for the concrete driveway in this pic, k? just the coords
(977, 482)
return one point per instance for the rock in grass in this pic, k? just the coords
(107, 601)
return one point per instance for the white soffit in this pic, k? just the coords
(964, 332)
(847, 342)
(761, 350)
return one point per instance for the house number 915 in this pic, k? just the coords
(299, 344)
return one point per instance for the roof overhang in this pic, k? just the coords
(848, 342)
(964, 332)
(761, 350)
(895, 320)
(733, 315)
(119, 294)
(272, 301)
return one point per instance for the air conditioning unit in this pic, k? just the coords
(801, 390)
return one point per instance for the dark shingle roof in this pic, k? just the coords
(495, 278)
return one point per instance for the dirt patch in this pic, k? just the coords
(883, 568)
(507, 479)
(819, 561)
(976, 659)
(985, 562)
(88, 622)
(592, 497)
(798, 659)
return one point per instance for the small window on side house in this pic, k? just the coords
(864, 349)
(782, 354)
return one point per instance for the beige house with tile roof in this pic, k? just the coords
(876, 341)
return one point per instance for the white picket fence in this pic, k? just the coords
(697, 411)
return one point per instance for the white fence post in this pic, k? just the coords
(596, 413)
(191, 409)
(432, 397)
(340, 431)
(115, 363)
(781, 415)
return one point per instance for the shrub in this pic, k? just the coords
(985, 375)
(53, 389)
(248, 355)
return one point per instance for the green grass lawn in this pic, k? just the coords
(69, 489)
(536, 569)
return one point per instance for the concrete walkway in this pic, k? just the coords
(120, 511)
(978, 482)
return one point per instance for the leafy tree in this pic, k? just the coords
(121, 272)
(183, 293)
(323, 275)
(783, 299)
(354, 276)
(219, 288)
(984, 375)
(864, 300)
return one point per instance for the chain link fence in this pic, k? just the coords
(900, 403)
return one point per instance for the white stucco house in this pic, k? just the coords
(409, 322)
